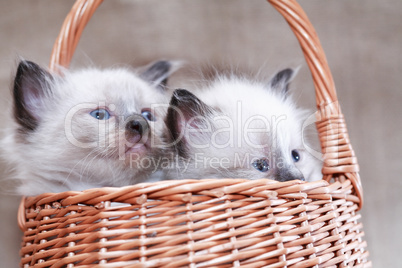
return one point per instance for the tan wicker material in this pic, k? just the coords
(71, 31)
(209, 222)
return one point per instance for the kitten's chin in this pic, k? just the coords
(137, 146)
(139, 149)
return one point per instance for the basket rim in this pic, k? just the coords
(184, 190)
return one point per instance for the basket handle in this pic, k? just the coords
(339, 159)
(70, 33)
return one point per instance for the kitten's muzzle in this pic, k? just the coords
(288, 174)
(135, 127)
(137, 131)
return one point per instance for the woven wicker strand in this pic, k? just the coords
(209, 222)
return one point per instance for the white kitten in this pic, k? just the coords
(87, 128)
(238, 128)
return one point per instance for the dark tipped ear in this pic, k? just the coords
(158, 73)
(281, 80)
(31, 86)
(185, 107)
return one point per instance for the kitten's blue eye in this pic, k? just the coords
(295, 155)
(261, 164)
(100, 114)
(148, 115)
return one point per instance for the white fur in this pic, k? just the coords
(228, 150)
(46, 160)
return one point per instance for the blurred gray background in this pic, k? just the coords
(362, 40)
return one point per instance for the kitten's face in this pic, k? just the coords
(117, 114)
(89, 128)
(239, 129)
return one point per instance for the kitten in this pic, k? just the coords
(239, 128)
(86, 128)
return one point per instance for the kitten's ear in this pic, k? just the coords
(158, 73)
(186, 111)
(31, 87)
(281, 80)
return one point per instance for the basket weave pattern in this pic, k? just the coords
(209, 222)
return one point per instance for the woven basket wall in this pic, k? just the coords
(209, 222)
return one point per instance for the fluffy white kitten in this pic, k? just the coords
(239, 128)
(87, 128)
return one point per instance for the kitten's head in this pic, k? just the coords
(90, 127)
(240, 128)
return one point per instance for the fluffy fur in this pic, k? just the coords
(87, 128)
(239, 128)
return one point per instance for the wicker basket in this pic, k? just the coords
(210, 222)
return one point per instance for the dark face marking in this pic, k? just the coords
(288, 173)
